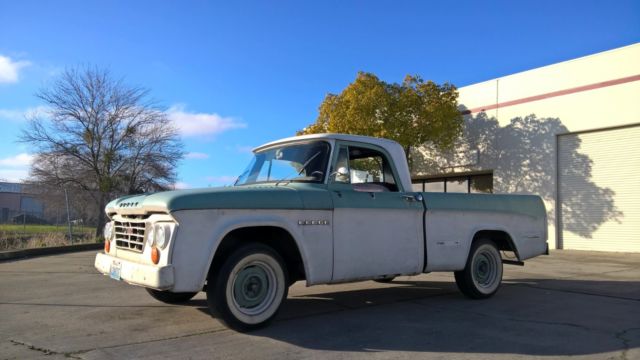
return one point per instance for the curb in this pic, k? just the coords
(27, 253)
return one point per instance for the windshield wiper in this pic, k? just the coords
(304, 166)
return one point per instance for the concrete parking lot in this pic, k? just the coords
(580, 304)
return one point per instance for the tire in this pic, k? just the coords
(248, 288)
(169, 297)
(385, 280)
(482, 274)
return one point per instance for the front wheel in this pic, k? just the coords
(169, 297)
(482, 274)
(249, 288)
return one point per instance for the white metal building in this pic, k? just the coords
(569, 132)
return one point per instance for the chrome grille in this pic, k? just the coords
(130, 234)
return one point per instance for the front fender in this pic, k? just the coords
(202, 231)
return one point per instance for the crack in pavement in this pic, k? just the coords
(44, 351)
(343, 307)
(625, 342)
(91, 306)
(76, 354)
(81, 352)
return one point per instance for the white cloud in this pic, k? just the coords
(201, 124)
(15, 168)
(181, 186)
(9, 69)
(22, 114)
(20, 160)
(14, 175)
(10, 114)
(196, 155)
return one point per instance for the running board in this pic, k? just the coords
(513, 262)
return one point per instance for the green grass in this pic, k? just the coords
(15, 236)
(41, 229)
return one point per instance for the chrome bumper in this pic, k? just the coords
(155, 277)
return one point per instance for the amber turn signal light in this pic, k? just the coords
(155, 255)
(107, 246)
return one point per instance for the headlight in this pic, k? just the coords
(151, 236)
(162, 238)
(108, 230)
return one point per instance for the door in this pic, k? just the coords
(377, 227)
(599, 190)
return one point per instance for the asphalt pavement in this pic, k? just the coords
(580, 304)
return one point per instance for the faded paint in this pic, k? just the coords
(371, 234)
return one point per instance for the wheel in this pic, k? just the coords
(249, 287)
(169, 297)
(385, 280)
(482, 274)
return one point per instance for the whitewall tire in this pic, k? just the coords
(482, 274)
(249, 288)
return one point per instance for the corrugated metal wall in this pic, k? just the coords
(599, 190)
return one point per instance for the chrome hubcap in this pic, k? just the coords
(251, 286)
(484, 270)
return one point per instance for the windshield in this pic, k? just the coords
(305, 162)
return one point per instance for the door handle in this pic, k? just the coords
(412, 197)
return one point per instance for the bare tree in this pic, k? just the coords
(102, 137)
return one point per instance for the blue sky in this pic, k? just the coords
(239, 74)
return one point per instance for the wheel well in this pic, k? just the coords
(502, 239)
(277, 238)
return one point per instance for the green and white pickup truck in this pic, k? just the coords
(324, 208)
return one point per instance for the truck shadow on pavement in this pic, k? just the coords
(527, 316)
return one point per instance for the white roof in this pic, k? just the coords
(395, 150)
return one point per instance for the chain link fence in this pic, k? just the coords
(25, 230)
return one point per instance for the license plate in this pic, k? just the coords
(114, 271)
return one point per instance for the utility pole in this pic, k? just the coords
(66, 198)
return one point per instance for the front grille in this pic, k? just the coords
(130, 234)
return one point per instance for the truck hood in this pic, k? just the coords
(236, 197)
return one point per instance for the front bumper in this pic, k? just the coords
(156, 277)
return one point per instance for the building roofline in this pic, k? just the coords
(581, 58)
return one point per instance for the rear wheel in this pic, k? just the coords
(169, 297)
(482, 274)
(248, 289)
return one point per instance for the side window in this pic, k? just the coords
(342, 166)
(366, 169)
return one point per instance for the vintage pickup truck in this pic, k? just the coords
(324, 208)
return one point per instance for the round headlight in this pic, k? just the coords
(161, 236)
(108, 230)
(151, 236)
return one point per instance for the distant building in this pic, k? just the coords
(15, 202)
